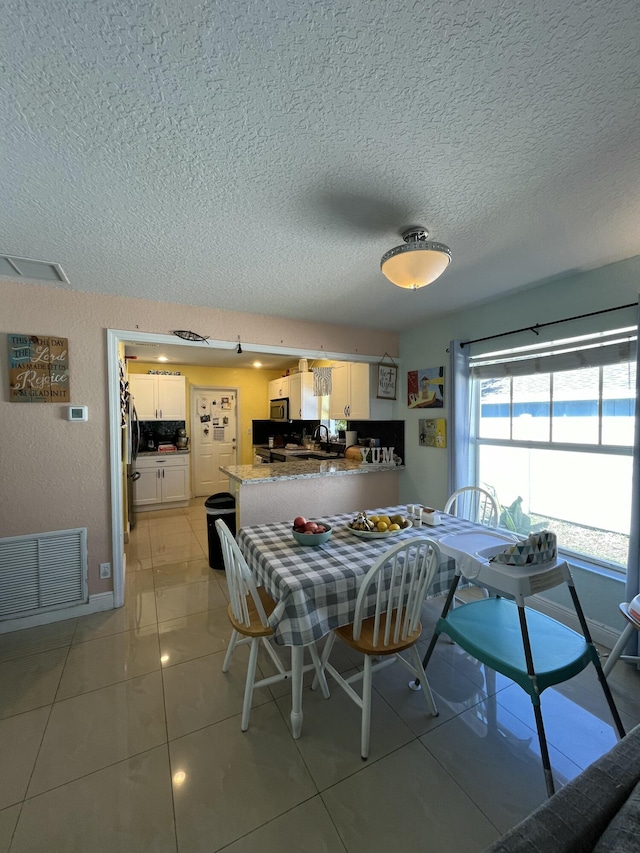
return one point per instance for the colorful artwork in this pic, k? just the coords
(425, 388)
(433, 433)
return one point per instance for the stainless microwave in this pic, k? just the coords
(279, 409)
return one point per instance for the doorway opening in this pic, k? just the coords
(216, 350)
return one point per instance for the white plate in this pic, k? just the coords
(374, 534)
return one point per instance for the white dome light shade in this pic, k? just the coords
(417, 262)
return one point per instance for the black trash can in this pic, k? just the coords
(221, 505)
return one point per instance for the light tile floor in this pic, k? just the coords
(119, 731)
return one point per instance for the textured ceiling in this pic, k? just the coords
(262, 156)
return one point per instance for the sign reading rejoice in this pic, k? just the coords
(38, 369)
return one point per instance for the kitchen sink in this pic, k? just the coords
(322, 456)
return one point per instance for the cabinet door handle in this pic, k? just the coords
(163, 473)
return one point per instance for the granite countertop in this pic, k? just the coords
(164, 453)
(302, 469)
(292, 452)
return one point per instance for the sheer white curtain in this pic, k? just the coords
(462, 466)
(633, 562)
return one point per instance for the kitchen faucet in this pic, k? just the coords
(316, 434)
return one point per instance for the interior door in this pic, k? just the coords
(214, 438)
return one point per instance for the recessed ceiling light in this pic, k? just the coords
(257, 364)
(162, 358)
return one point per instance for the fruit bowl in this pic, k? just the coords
(373, 534)
(378, 526)
(312, 538)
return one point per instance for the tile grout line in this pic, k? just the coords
(44, 732)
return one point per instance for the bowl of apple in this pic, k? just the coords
(310, 532)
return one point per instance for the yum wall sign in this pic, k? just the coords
(38, 369)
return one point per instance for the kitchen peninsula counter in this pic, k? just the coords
(313, 488)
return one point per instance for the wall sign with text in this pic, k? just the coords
(387, 380)
(38, 369)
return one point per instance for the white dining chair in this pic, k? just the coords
(474, 504)
(631, 612)
(395, 588)
(249, 609)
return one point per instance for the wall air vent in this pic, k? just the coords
(12, 266)
(42, 571)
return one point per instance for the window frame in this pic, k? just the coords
(597, 448)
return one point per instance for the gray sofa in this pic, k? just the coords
(597, 812)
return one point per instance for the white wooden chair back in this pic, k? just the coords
(474, 504)
(239, 578)
(399, 581)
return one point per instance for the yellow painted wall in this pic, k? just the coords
(252, 386)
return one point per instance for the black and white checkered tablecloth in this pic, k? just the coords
(316, 587)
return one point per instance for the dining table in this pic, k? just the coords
(316, 587)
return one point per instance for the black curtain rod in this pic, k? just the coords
(537, 326)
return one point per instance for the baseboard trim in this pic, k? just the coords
(155, 507)
(97, 603)
(602, 634)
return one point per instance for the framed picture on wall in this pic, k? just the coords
(387, 381)
(425, 388)
(433, 432)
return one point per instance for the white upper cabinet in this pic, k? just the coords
(302, 404)
(157, 397)
(351, 390)
(279, 388)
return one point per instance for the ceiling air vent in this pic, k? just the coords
(29, 268)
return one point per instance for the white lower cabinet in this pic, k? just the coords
(162, 480)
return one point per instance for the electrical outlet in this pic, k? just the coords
(105, 570)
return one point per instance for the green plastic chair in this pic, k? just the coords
(533, 650)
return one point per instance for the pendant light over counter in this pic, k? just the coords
(417, 262)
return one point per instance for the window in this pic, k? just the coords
(554, 432)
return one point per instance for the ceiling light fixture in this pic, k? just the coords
(417, 262)
(239, 347)
(162, 358)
